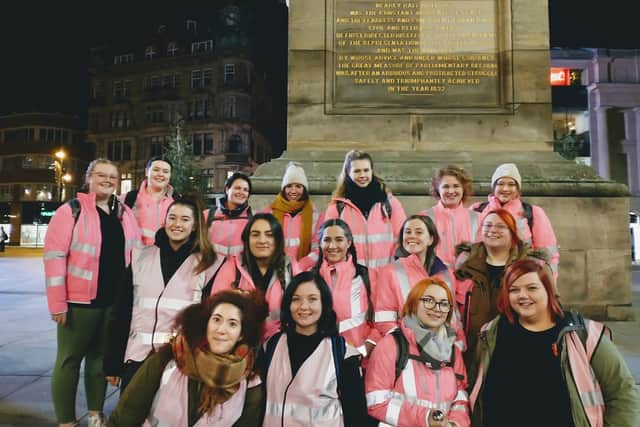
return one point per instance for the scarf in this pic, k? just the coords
(221, 374)
(364, 198)
(231, 213)
(435, 348)
(280, 206)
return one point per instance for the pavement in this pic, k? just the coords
(28, 343)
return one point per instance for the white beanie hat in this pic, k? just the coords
(509, 170)
(294, 175)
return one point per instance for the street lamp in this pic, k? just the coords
(61, 176)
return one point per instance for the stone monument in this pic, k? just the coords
(425, 83)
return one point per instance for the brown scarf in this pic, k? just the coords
(281, 206)
(221, 374)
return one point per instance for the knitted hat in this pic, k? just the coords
(509, 170)
(294, 175)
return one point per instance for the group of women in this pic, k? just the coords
(356, 316)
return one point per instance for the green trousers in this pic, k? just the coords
(84, 336)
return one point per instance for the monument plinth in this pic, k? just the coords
(424, 83)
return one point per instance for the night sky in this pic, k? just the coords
(45, 47)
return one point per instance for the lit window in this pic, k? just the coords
(204, 46)
(127, 58)
(150, 52)
(172, 49)
(230, 106)
(229, 72)
(192, 25)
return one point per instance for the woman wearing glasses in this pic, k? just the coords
(416, 375)
(86, 250)
(479, 270)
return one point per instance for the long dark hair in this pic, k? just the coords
(430, 257)
(349, 158)
(327, 324)
(278, 257)
(201, 243)
(347, 233)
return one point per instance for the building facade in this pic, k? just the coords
(42, 160)
(201, 76)
(602, 110)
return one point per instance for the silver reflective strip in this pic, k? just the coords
(553, 250)
(400, 398)
(386, 316)
(54, 281)
(393, 411)
(147, 232)
(356, 287)
(461, 395)
(168, 370)
(473, 219)
(293, 241)
(459, 408)
(54, 255)
(165, 303)
(80, 272)
(352, 322)
(310, 415)
(378, 396)
(132, 243)
(380, 262)
(148, 339)
(274, 315)
(227, 250)
(522, 229)
(409, 380)
(592, 398)
(83, 247)
(373, 238)
(362, 350)
(403, 280)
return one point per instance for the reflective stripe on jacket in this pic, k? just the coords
(150, 214)
(310, 399)
(542, 236)
(408, 401)
(72, 252)
(227, 275)
(155, 305)
(399, 278)
(454, 226)
(375, 237)
(225, 233)
(350, 302)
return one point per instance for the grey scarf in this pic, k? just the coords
(433, 346)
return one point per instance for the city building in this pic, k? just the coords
(199, 74)
(596, 111)
(42, 160)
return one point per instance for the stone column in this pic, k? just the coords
(631, 147)
(600, 142)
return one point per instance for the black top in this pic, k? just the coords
(261, 281)
(171, 260)
(352, 397)
(494, 274)
(524, 384)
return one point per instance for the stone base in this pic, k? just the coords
(589, 215)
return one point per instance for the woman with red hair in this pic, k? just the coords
(416, 375)
(479, 270)
(532, 341)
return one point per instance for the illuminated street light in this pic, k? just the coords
(61, 176)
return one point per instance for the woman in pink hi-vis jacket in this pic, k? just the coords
(362, 200)
(86, 250)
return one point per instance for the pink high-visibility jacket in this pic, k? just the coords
(233, 267)
(396, 280)
(155, 306)
(72, 252)
(409, 400)
(350, 302)
(310, 399)
(225, 233)
(292, 227)
(150, 214)
(454, 226)
(375, 237)
(542, 236)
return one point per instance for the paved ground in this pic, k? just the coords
(27, 342)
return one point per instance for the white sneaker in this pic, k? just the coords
(97, 420)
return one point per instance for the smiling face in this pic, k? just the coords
(415, 237)
(158, 175)
(529, 299)
(334, 244)
(495, 232)
(506, 189)
(450, 191)
(361, 172)
(306, 308)
(224, 328)
(103, 180)
(433, 318)
(237, 193)
(262, 244)
(180, 223)
(294, 192)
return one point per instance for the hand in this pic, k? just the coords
(114, 381)
(60, 318)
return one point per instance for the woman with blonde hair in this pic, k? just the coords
(374, 215)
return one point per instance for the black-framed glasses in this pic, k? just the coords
(430, 303)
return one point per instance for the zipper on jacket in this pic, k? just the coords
(284, 399)
(155, 322)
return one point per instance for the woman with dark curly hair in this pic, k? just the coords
(205, 376)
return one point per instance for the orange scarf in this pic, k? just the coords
(281, 206)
